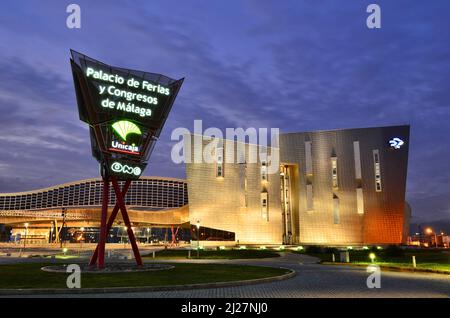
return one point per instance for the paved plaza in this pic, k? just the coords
(312, 280)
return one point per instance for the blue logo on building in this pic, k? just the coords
(396, 143)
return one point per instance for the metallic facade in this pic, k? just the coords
(349, 185)
(338, 187)
(148, 192)
(232, 201)
(152, 201)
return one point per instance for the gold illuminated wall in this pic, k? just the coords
(234, 202)
(346, 187)
(345, 206)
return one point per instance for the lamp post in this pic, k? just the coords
(26, 235)
(51, 233)
(81, 238)
(198, 238)
(148, 231)
(125, 228)
(430, 231)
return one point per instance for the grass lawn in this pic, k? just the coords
(214, 254)
(425, 259)
(31, 276)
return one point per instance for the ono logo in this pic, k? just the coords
(122, 168)
(396, 143)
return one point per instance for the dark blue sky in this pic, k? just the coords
(296, 65)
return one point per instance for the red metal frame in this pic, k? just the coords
(174, 235)
(111, 221)
(126, 220)
(99, 253)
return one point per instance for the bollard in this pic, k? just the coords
(344, 257)
(333, 258)
(189, 253)
(153, 254)
(414, 261)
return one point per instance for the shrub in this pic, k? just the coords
(313, 249)
(330, 250)
(393, 251)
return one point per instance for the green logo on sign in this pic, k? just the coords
(124, 127)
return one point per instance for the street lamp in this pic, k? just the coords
(51, 233)
(26, 235)
(198, 238)
(430, 231)
(81, 238)
(125, 229)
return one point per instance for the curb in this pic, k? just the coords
(108, 290)
(392, 268)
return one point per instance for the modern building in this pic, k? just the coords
(337, 187)
(151, 202)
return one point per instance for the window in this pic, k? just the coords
(377, 170)
(336, 216)
(334, 173)
(308, 157)
(219, 160)
(309, 198)
(264, 206)
(359, 200)
(263, 171)
(357, 156)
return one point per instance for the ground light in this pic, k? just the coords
(372, 256)
(222, 247)
(299, 248)
(281, 248)
(365, 247)
(198, 238)
(242, 247)
(64, 250)
(262, 247)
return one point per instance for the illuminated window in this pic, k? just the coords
(264, 206)
(359, 200)
(309, 198)
(334, 172)
(308, 157)
(377, 170)
(336, 216)
(263, 171)
(357, 156)
(219, 160)
(243, 183)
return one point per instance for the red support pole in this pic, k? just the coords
(102, 239)
(176, 233)
(173, 236)
(110, 221)
(127, 222)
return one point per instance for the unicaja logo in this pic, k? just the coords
(122, 129)
(122, 168)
